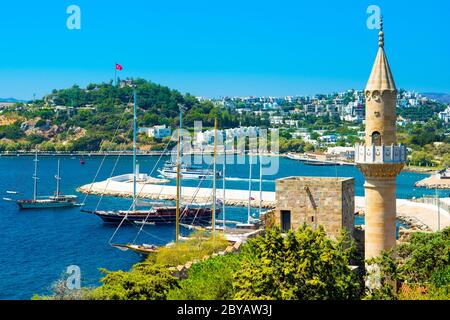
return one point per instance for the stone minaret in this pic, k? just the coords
(380, 159)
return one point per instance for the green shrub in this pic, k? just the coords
(440, 279)
(304, 265)
(209, 280)
(196, 247)
(423, 255)
(146, 281)
(60, 291)
(422, 268)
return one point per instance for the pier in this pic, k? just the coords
(240, 198)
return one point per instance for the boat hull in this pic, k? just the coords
(28, 205)
(159, 216)
(188, 175)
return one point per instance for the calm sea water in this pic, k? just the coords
(36, 247)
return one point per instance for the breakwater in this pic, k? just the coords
(434, 182)
(239, 198)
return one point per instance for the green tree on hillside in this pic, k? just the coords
(304, 265)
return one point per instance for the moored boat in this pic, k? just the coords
(56, 201)
(156, 215)
(49, 202)
(187, 172)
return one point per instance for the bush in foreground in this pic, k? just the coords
(209, 280)
(304, 265)
(421, 269)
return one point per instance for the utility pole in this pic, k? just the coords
(438, 209)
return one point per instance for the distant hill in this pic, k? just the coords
(441, 97)
(11, 100)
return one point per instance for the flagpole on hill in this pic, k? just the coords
(118, 68)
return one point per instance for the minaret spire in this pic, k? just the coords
(381, 34)
(380, 158)
(381, 78)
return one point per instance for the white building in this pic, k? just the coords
(276, 120)
(158, 132)
(341, 152)
(445, 115)
(207, 137)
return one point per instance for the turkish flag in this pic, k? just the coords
(118, 67)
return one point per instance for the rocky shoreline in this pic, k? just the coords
(412, 223)
(433, 182)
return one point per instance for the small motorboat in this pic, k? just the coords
(142, 249)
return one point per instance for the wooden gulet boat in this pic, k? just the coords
(158, 213)
(48, 202)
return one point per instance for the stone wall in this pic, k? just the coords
(329, 202)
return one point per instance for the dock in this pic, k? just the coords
(239, 198)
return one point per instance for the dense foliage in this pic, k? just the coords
(305, 265)
(104, 112)
(197, 246)
(421, 270)
(146, 281)
(209, 280)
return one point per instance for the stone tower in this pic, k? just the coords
(380, 159)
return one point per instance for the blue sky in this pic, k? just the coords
(216, 48)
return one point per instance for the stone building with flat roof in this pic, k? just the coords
(315, 201)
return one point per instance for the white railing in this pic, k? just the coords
(380, 154)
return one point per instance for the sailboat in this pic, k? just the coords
(181, 211)
(241, 230)
(158, 214)
(56, 201)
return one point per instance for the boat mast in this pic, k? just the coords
(134, 149)
(260, 181)
(58, 179)
(223, 184)
(35, 177)
(213, 219)
(177, 209)
(249, 185)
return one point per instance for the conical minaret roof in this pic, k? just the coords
(381, 77)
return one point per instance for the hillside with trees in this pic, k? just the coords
(100, 117)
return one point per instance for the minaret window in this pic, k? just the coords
(376, 138)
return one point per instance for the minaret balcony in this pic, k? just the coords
(380, 154)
